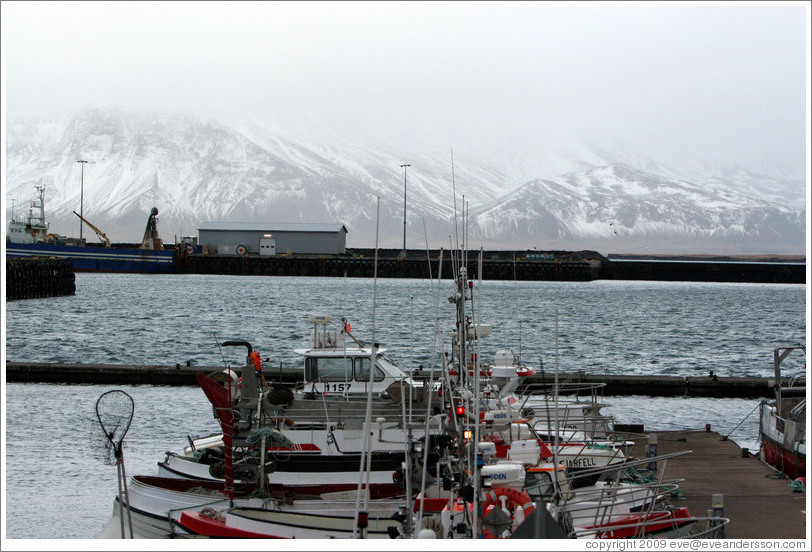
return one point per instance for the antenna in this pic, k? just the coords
(454, 190)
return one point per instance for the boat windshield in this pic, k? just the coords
(362, 370)
(389, 366)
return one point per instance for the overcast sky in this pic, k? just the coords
(726, 80)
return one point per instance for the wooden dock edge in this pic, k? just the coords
(756, 498)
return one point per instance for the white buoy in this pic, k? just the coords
(426, 534)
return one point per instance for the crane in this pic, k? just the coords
(99, 233)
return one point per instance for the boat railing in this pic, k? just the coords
(566, 388)
(624, 436)
(604, 505)
(701, 527)
(593, 427)
(629, 469)
(577, 434)
(794, 379)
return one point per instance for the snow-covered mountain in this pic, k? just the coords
(196, 170)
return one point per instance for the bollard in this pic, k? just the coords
(718, 504)
(652, 451)
(707, 428)
(745, 453)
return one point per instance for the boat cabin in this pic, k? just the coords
(331, 367)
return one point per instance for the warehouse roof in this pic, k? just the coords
(273, 226)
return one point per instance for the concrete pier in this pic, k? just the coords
(757, 499)
(499, 265)
(181, 374)
(126, 374)
(664, 386)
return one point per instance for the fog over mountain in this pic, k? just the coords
(579, 197)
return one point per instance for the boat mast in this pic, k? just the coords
(366, 453)
(41, 218)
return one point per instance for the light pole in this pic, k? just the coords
(404, 209)
(82, 200)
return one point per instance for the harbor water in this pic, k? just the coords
(56, 486)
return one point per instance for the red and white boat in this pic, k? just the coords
(328, 520)
(782, 425)
(157, 505)
(665, 524)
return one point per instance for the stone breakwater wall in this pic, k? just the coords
(39, 277)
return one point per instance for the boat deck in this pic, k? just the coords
(757, 499)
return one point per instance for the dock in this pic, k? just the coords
(183, 374)
(664, 386)
(756, 498)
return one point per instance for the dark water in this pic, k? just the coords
(55, 487)
(603, 326)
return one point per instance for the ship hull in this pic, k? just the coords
(99, 259)
(783, 442)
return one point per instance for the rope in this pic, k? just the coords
(636, 476)
(797, 486)
(273, 436)
(724, 437)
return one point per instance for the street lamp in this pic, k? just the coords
(82, 200)
(404, 209)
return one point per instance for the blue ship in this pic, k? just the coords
(30, 238)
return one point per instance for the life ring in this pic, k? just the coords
(515, 499)
(241, 250)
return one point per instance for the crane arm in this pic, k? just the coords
(99, 233)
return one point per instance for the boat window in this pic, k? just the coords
(539, 484)
(390, 366)
(329, 369)
(362, 370)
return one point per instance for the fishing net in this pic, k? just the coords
(114, 412)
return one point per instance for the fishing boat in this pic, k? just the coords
(782, 424)
(157, 504)
(30, 238)
(321, 418)
(331, 520)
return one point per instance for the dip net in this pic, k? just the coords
(114, 412)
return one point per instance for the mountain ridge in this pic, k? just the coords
(197, 170)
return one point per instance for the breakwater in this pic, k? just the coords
(704, 271)
(495, 265)
(39, 277)
(185, 375)
(363, 265)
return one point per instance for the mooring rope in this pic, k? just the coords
(724, 437)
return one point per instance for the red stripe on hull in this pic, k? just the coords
(787, 461)
(202, 525)
(651, 524)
